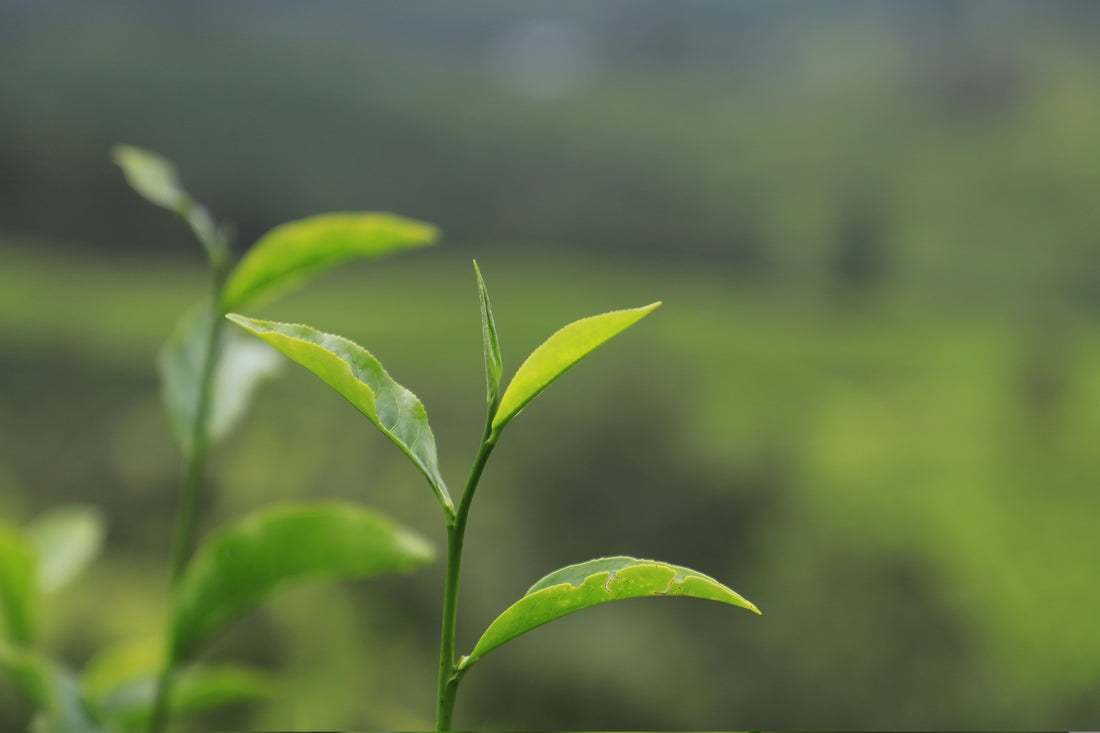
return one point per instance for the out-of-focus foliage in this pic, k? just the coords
(871, 397)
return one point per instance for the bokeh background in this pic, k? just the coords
(871, 402)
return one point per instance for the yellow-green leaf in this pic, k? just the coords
(242, 563)
(18, 586)
(598, 581)
(289, 254)
(490, 342)
(558, 353)
(359, 378)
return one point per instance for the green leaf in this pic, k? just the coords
(360, 379)
(155, 179)
(53, 690)
(67, 539)
(244, 562)
(118, 665)
(598, 581)
(289, 254)
(18, 587)
(558, 353)
(493, 365)
(31, 671)
(243, 364)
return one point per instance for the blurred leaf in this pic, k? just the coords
(291, 253)
(67, 539)
(118, 665)
(598, 581)
(31, 671)
(560, 352)
(18, 589)
(360, 379)
(493, 364)
(53, 690)
(155, 179)
(243, 364)
(242, 563)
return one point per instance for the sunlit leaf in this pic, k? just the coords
(243, 364)
(598, 581)
(289, 254)
(18, 586)
(242, 563)
(490, 342)
(360, 379)
(66, 539)
(560, 352)
(155, 179)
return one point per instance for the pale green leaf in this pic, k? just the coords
(360, 379)
(155, 179)
(119, 665)
(242, 563)
(558, 353)
(67, 539)
(242, 365)
(18, 586)
(598, 581)
(493, 365)
(289, 254)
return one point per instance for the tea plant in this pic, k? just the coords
(358, 377)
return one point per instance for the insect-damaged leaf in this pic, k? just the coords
(560, 352)
(289, 254)
(242, 365)
(360, 379)
(493, 364)
(242, 563)
(598, 581)
(67, 539)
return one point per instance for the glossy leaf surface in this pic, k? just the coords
(66, 540)
(155, 179)
(243, 364)
(493, 364)
(587, 584)
(289, 254)
(560, 352)
(360, 379)
(18, 586)
(244, 562)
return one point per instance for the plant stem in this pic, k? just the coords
(191, 484)
(448, 677)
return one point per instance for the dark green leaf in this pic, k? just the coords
(360, 379)
(244, 562)
(557, 354)
(243, 364)
(67, 539)
(598, 581)
(289, 254)
(493, 364)
(18, 586)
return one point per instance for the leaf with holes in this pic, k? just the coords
(577, 587)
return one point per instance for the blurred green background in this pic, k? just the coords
(870, 402)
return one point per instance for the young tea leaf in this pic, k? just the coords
(242, 366)
(289, 254)
(67, 539)
(244, 562)
(360, 379)
(18, 587)
(493, 365)
(155, 179)
(598, 581)
(560, 352)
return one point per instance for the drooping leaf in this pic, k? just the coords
(244, 562)
(243, 364)
(360, 379)
(67, 539)
(560, 352)
(18, 587)
(155, 179)
(289, 254)
(598, 581)
(493, 364)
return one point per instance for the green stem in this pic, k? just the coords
(449, 676)
(191, 484)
